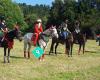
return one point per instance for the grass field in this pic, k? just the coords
(60, 67)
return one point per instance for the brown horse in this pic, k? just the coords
(68, 44)
(80, 39)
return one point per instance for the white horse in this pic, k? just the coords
(42, 42)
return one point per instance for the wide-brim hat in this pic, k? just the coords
(39, 20)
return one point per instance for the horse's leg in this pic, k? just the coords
(8, 55)
(67, 51)
(42, 57)
(79, 49)
(71, 49)
(67, 48)
(5, 54)
(51, 48)
(83, 48)
(99, 42)
(29, 47)
(25, 47)
(56, 47)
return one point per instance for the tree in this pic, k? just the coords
(32, 13)
(12, 14)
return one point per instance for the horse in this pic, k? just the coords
(80, 39)
(42, 41)
(69, 42)
(8, 41)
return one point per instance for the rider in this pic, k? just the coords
(37, 30)
(64, 29)
(3, 28)
(77, 29)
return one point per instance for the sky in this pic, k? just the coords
(33, 2)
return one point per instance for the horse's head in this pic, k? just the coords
(18, 34)
(53, 31)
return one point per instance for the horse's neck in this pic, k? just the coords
(11, 34)
(44, 37)
(47, 32)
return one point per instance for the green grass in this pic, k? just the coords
(60, 67)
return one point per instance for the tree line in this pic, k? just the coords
(86, 11)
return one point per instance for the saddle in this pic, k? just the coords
(44, 37)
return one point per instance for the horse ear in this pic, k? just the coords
(51, 27)
(54, 26)
(16, 27)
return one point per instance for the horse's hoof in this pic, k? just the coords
(43, 59)
(68, 55)
(49, 53)
(24, 56)
(4, 62)
(40, 60)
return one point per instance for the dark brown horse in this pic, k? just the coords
(72, 38)
(68, 44)
(7, 43)
(80, 39)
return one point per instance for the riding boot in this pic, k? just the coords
(28, 54)
(24, 54)
(4, 59)
(8, 59)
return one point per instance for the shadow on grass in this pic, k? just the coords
(92, 51)
(53, 53)
(17, 57)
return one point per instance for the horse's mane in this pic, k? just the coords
(11, 34)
